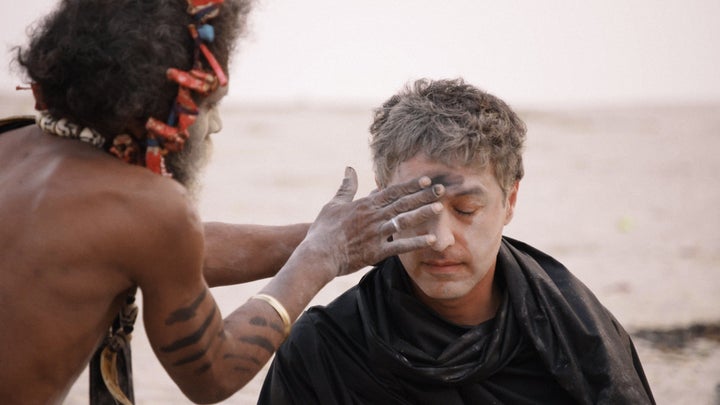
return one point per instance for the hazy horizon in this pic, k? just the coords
(530, 54)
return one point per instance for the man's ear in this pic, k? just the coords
(511, 200)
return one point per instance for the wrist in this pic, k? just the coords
(323, 263)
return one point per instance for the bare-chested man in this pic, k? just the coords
(95, 203)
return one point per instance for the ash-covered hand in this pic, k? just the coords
(355, 234)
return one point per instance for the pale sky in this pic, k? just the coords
(530, 53)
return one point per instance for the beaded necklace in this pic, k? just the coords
(64, 128)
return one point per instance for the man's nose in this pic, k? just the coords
(215, 122)
(443, 230)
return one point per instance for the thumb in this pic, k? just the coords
(349, 186)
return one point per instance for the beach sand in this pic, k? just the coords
(626, 198)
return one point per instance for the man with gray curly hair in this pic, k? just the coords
(474, 318)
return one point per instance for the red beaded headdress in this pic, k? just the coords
(170, 136)
(162, 137)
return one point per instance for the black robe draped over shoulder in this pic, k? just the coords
(551, 342)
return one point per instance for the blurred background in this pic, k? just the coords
(622, 103)
(534, 54)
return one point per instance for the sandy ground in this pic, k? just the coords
(627, 198)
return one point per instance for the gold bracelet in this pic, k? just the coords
(279, 308)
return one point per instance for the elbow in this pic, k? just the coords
(207, 395)
(213, 389)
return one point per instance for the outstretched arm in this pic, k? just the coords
(210, 357)
(241, 253)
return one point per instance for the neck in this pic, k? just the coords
(480, 304)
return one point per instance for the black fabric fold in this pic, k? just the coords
(437, 352)
(550, 342)
(579, 340)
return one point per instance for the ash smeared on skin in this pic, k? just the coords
(448, 179)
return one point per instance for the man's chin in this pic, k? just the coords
(442, 290)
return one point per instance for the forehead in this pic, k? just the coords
(454, 178)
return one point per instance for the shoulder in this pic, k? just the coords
(147, 206)
(341, 313)
(525, 249)
(527, 268)
(323, 325)
(163, 226)
(146, 223)
(161, 206)
(94, 211)
(329, 335)
(536, 263)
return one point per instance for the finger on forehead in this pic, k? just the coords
(411, 219)
(413, 201)
(418, 216)
(392, 193)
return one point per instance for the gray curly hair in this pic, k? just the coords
(452, 122)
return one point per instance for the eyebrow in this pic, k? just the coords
(475, 191)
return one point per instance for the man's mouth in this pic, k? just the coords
(441, 263)
(442, 266)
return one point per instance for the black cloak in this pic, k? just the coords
(550, 342)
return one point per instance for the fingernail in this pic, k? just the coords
(348, 171)
(437, 207)
(424, 181)
(438, 190)
(430, 238)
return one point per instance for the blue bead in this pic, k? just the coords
(206, 32)
(172, 118)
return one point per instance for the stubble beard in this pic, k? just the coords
(187, 165)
